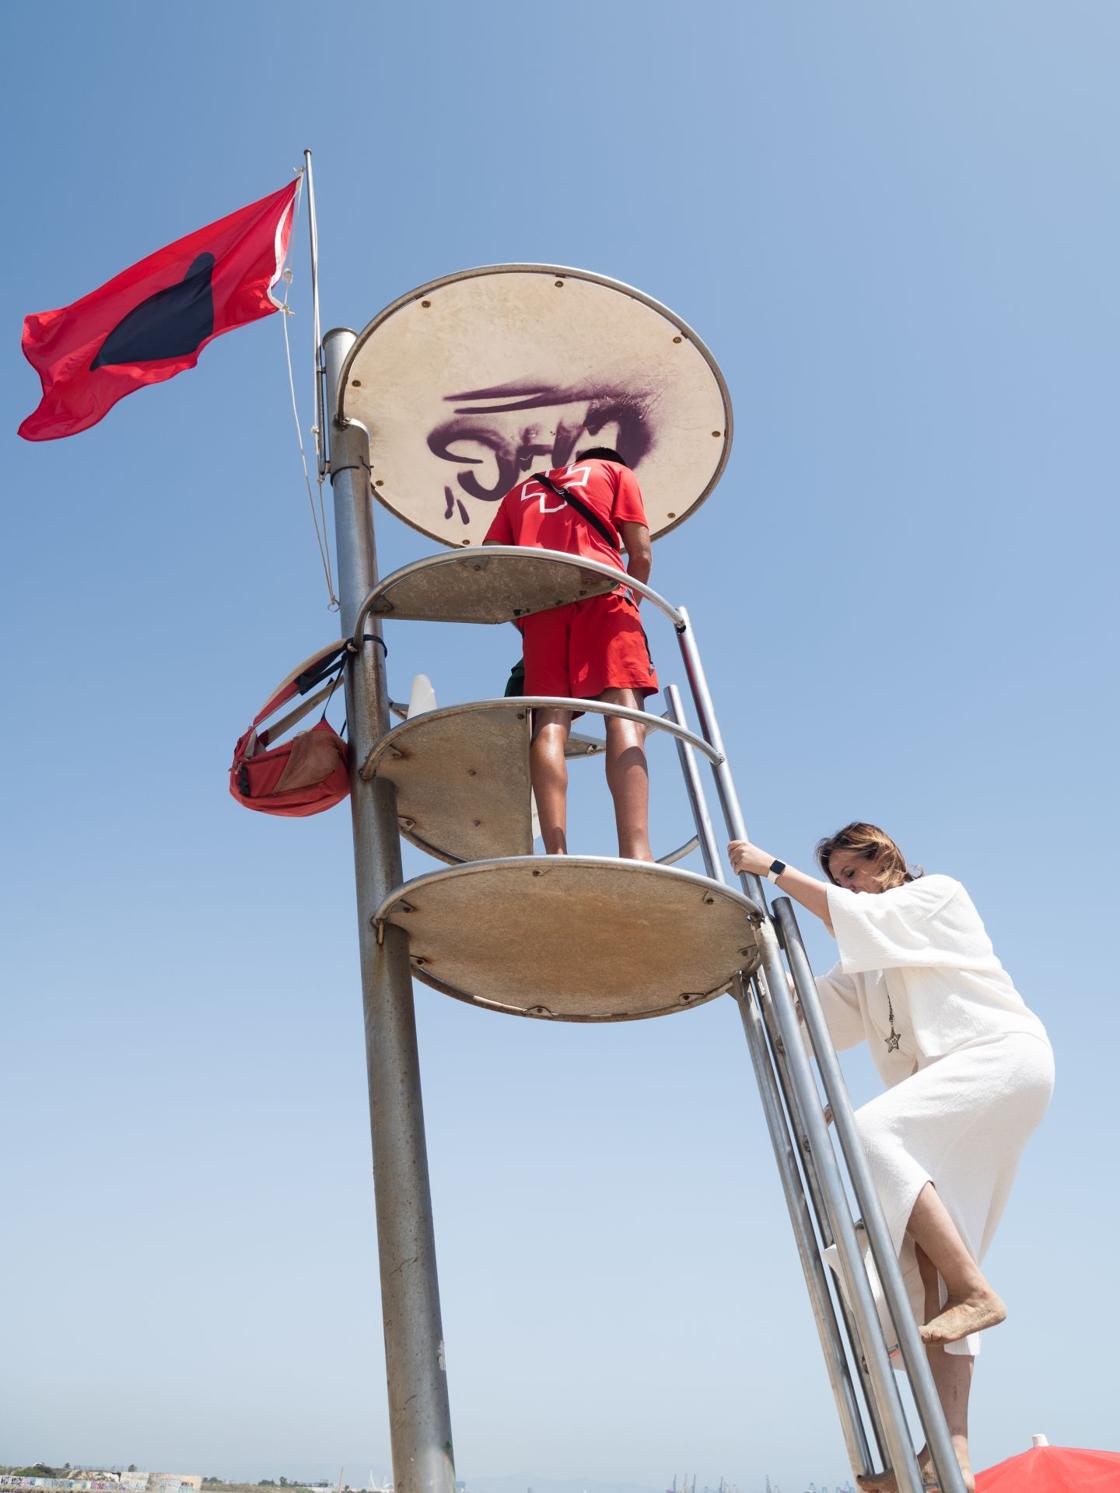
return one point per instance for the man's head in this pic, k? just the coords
(602, 453)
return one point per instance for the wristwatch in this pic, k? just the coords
(776, 869)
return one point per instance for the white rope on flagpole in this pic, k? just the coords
(318, 520)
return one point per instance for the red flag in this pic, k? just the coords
(152, 321)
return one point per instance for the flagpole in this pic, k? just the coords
(320, 367)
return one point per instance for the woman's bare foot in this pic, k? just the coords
(886, 1482)
(959, 1318)
(931, 1480)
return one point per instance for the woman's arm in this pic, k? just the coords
(807, 890)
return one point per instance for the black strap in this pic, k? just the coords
(610, 535)
(334, 685)
(335, 659)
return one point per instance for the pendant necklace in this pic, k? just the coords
(894, 1039)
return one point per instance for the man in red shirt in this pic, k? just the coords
(591, 650)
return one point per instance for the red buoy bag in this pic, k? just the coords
(310, 771)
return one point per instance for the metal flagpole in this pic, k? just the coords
(320, 370)
(419, 1415)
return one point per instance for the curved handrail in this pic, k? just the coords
(541, 862)
(671, 857)
(681, 851)
(491, 551)
(554, 702)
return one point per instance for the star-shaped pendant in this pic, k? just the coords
(893, 1042)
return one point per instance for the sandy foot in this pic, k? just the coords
(962, 1317)
(886, 1482)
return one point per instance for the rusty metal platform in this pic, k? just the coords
(462, 780)
(496, 583)
(575, 938)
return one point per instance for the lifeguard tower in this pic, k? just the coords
(445, 400)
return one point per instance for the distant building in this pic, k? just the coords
(173, 1482)
(104, 1482)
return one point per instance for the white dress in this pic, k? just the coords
(970, 1075)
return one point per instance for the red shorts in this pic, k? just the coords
(588, 647)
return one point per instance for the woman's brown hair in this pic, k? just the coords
(873, 844)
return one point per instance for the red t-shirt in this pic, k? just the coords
(530, 514)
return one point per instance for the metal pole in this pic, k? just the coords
(703, 820)
(902, 1457)
(320, 372)
(862, 1303)
(419, 1416)
(847, 1407)
(914, 1352)
(820, 1212)
(784, 1148)
(709, 728)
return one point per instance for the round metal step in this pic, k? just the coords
(575, 938)
(462, 780)
(495, 583)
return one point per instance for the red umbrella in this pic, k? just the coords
(1053, 1469)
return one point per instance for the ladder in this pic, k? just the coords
(426, 780)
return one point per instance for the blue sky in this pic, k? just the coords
(896, 226)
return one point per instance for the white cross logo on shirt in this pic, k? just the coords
(568, 477)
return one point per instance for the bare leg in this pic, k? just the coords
(952, 1376)
(972, 1304)
(549, 773)
(628, 778)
